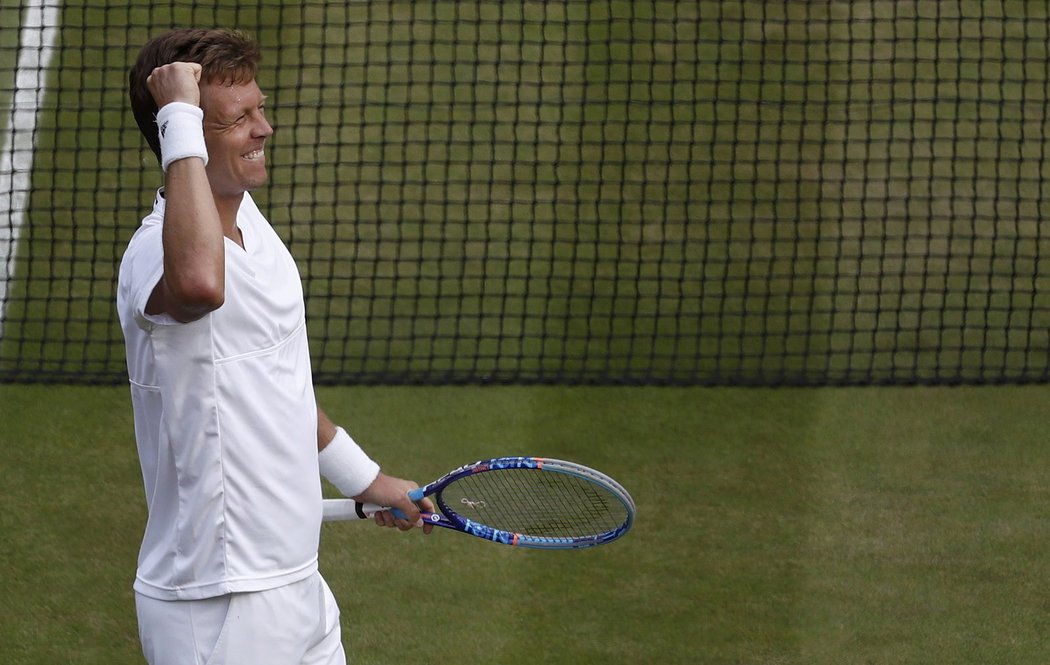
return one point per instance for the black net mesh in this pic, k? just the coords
(666, 192)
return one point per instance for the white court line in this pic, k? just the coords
(35, 48)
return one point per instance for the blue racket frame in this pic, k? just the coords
(448, 518)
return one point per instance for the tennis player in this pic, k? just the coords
(231, 441)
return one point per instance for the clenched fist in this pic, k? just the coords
(175, 82)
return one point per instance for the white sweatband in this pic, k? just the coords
(346, 466)
(181, 129)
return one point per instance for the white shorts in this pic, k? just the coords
(296, 624)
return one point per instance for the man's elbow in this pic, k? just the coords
(198, 295)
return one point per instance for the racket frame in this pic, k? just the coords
(448, 518)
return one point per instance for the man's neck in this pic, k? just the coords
(227, 208)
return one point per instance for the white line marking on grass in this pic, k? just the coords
(35, 48)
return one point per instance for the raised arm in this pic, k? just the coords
(193, 283)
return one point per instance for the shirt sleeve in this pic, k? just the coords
(141, 269)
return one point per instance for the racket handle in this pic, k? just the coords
(339, 510)
(335, 510)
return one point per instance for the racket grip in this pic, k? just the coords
(335, 510)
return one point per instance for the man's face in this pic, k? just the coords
(235, 130)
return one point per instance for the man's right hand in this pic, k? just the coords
(175, 82)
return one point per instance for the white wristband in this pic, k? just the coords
(346, 466)
(181, 130)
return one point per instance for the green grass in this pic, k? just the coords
(883, 525)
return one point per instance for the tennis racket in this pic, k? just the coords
(520, 501)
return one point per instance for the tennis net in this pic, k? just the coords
(662, 192)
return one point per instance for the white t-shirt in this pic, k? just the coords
(225, 421)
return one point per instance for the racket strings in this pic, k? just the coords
(535, 503)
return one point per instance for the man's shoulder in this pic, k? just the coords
(144, 248)
(151, 224)
(146, 236)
